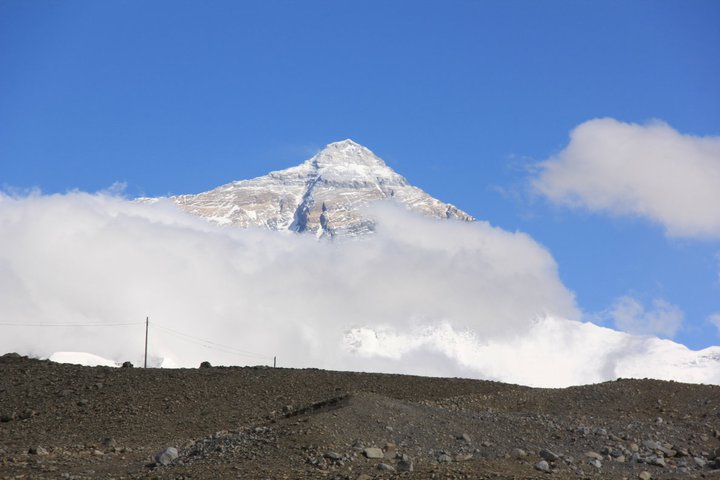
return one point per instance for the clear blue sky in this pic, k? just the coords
(458, 96)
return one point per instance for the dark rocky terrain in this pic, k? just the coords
(68, 421)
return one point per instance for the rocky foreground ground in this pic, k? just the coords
(68, 421)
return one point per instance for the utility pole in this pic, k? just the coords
(147, 324)
(274, 362)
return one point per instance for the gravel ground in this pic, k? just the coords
(68, 421)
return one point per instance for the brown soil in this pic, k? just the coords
(68, 421)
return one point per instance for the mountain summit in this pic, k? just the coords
(322, 196)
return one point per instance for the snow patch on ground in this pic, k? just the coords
(82, 358)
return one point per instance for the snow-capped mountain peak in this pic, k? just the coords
(347, 152)
(323, 195)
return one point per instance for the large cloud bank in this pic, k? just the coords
(651, 171)
(420, 296)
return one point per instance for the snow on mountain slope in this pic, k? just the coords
(553, 352)
(588, 354)
(321, 196)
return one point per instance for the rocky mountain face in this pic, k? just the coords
(322, 196)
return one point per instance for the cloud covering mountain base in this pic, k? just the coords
(419, 296)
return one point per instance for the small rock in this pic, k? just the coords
(659, 461)
(651, 444)
(389, 450)
(593, 455)
(127, 365)
(37, 451)
(333, 456)
(374, 452)
(548, 455)
(166, 456)
(444, 458)
(595, 463)
(634, 447)
(668, 452)
(6, 418)
(385, 467)
(700, 461)
(405, 465)
(108, 442)
(464, 437)
(644, 475)
(463, 457)
(616, 453)
(518, 453)
(543, 466)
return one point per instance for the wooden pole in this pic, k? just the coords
(274, 362)
(147, 324)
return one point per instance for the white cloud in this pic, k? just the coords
(630, 315)
(421, 296)
(651, 171)
(98, 258)
(715, 320)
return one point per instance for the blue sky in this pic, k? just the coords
(463, 98)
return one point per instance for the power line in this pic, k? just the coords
(210, 344)
(69, 324)
(187, 337)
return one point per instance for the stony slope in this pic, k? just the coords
(67, 421)
(322, 196)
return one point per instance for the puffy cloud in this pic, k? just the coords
(420, 296)
(629, 315)
(651, 171)
(82, 258)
